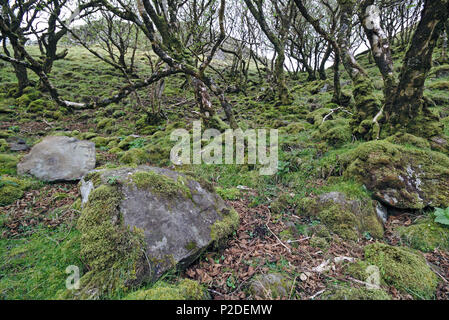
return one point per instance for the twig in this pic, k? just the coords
(317, 294)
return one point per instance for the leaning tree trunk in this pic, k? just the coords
(408, 109)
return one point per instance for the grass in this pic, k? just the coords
(34, 267)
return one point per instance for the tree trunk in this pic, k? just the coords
(408, 109)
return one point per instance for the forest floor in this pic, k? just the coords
(38, 235)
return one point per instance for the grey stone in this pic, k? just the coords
(59, 158)
(177, 229)
(17, 144)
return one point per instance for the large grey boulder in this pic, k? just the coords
(398, 176)
(59, 158)
(144, 221)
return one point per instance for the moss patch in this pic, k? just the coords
(113, 252)
(425, 235)
(353, 293)
(186, 289)
(160, 184)
(401, 267)
(223, 228)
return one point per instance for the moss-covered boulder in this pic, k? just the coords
(401, 176)
(425, 235)
(349, 218)
(401, 267)
(142, 221)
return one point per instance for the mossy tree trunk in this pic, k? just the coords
(366, 104)
(407, 109)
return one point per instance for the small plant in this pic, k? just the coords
(14, 128)
(137, 144)
(113, 180)
(442, 216)
(230, 282)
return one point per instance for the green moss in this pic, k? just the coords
(353, 293)
(107, 125)
(340, 221)
(4, 134)
(403, 268)
(439, 85)
(8, 164)
(160, 184)
(221, 229)
(351, 215)
(335, 132)
(319, 242)
(407, 139)
(4, 146)
(425, 235)
(126, 143)
(12, 189)
(29, 262)
(316, 117)
(113, 252)
(40, 105)
(229, 193)
(184, 290)
(135, 156)
(381, 165)
(271, 286)
(88, 135)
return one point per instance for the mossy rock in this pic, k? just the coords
(346, 217)
(335, 132)
(316, 117)
(40, 106)
(106, 125)
(138, 217)
(401, 267)
(403, 177)
(271, 286)
(354, 293)
(135, 156)
(425, 235)
(183, 290)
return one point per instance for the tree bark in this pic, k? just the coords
(408, 108)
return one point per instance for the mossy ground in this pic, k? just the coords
(315, 157)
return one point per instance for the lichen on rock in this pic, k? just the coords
(140, 222)
(404, 177)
